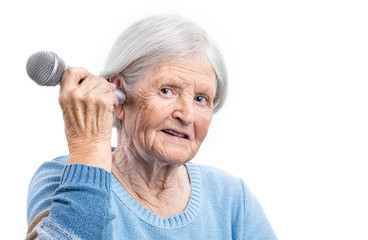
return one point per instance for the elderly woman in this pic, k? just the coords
(174, 78)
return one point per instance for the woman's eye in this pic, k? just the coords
(166, 91)
(200, 99)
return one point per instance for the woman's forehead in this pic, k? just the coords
(184, 70)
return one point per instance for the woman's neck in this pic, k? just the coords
(161, 187)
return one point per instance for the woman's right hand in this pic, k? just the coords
(87, 104)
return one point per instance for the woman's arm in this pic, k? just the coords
(69, 202)
(87, 103)
(78, 199)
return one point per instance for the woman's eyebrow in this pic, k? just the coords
(175, 81)
(206, 91)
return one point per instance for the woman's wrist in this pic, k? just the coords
(95, 155)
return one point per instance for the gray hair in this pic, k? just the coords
(157, 38)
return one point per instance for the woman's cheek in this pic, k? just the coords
(201, 125)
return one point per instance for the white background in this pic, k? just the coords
(294, 127)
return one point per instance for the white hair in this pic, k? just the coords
(157, 38)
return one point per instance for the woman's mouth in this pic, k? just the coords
(174, 133)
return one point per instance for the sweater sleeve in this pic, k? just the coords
(257, 226)
(78, 200)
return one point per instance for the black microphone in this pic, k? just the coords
(46, 69)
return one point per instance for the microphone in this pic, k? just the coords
(46, 69)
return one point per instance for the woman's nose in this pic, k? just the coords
(184, 112)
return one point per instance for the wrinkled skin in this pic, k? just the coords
(177, 94)
(165, 119)
(87, 111)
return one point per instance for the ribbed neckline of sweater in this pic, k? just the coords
(176, 221)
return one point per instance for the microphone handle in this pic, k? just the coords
(120, 95)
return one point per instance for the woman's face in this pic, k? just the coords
(168, 112)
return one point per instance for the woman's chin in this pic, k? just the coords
(174, 150)
(175, 155)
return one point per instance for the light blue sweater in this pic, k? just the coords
(89, 203)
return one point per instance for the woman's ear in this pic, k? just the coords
(118, 81)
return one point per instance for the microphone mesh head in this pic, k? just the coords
(45, 68)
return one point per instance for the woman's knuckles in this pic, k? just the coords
(76, 72)
(92, 98)
(76, 95)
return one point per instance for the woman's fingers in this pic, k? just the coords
(87, 105)
(80, 85)
(72, 76)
